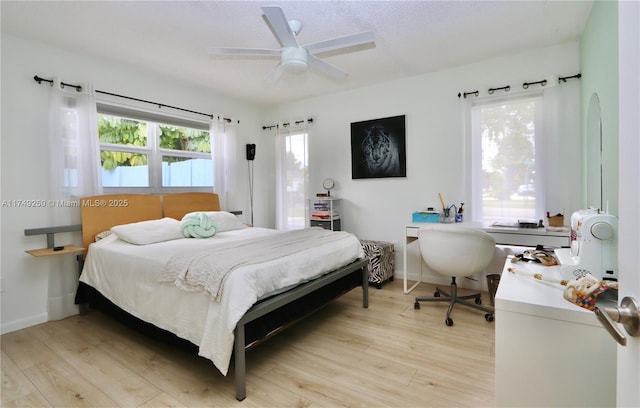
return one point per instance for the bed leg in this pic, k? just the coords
(365, 286)
(239, 356)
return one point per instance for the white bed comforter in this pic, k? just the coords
(207, 269)
(129, 276)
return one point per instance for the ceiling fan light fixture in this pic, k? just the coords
(294, 60)
(295, 26)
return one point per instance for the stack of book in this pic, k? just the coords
(322, 212)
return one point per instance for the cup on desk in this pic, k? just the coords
(458, 217)
(446, 216)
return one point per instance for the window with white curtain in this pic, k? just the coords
(142, 150)
(523, 153)
(291, 178)
(506, 165)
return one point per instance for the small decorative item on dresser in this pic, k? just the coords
(555, 220)
(328, 184)
(381, 261)
(425, 216)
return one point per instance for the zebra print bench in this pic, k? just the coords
(381, 261)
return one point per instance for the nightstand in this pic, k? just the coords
(325, 213)
(68, 249)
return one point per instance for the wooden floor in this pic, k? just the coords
(389, 355)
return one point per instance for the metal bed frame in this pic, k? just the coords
(262, 308)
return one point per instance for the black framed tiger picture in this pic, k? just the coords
(378, 148)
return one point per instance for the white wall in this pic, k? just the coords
(24, 160)
(379, 208)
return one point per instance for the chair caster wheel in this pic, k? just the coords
(478, 301)
(416, 305)
(436, 294)
(488, 317)
(448, 321)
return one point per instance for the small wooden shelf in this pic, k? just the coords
(68, 249)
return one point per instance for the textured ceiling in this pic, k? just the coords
(412, 37)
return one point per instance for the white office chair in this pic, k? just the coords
(455, 251)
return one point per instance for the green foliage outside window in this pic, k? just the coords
(121, 131)
(191, 140)
(184, 139)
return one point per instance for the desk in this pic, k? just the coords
(503, 235)
(549, 352)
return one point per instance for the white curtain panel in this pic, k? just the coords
(73, 143)
(223, 153)
(560, 138)
(562, 145)
(292, 175)
(74, 173)
(281, 177)
(472, 155)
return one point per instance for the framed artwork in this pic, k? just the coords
(378, 148)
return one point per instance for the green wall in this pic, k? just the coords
(599, 68)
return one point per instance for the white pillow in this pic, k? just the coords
(149, 232)
(225, 220)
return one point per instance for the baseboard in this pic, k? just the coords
(8, 327)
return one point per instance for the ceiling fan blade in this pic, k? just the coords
(325, 68)
(243, 51)
(347, 41)
(274, 75)
(280, 26)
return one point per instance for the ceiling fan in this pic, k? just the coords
(295, 58)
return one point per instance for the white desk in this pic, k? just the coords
(549, 352)
(503, 236)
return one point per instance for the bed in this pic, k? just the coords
(141, 267)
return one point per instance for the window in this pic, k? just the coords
(140, 150)
(506, 167)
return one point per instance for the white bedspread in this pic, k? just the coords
(129, 276)
(207, 269)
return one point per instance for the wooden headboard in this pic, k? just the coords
(177, 205)
(100, 213)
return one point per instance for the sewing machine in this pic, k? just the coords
(594, 246)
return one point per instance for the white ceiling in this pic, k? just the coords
(412, 37)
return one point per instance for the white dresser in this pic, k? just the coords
(549, 352)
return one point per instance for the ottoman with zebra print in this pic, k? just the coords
(381, 261)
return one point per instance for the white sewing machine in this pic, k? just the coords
(594, 246)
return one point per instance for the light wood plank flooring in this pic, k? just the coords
(388, 355)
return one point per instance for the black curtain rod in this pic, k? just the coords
(506, 88)
(286, 124)
(159, 105)
(39, 80)
(465, 94)
(564, 79)
(525, 85)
